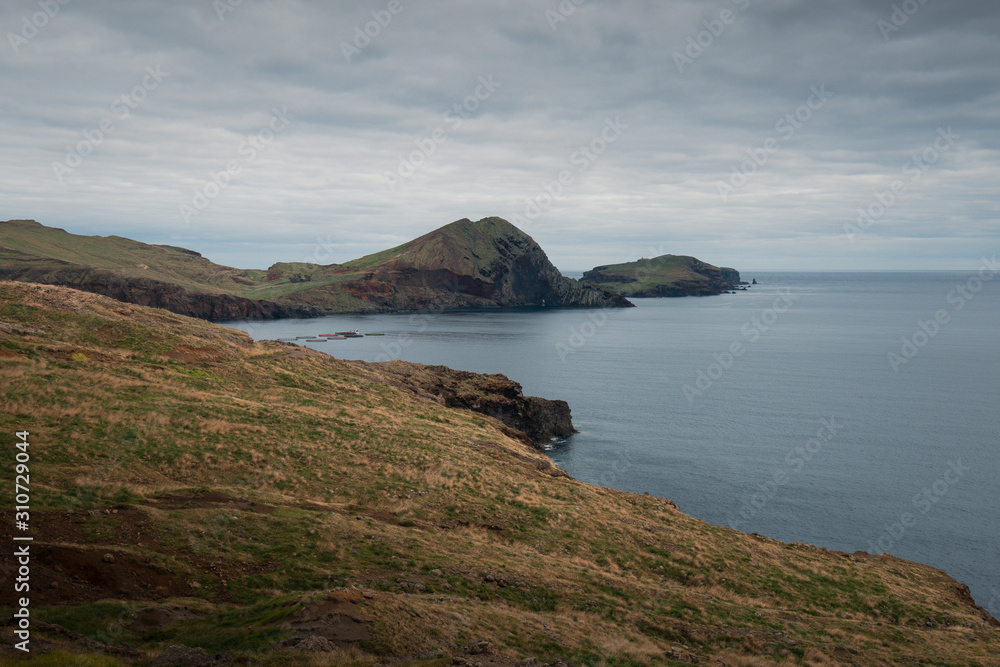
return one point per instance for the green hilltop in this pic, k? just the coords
(664, 276)
(26, 244)
(484, 264)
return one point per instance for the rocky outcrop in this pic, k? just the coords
(731, 276)
(487, 264)
(495, 395)
(664, 276)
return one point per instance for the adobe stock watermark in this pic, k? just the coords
(565, 9)
(579, 336)
(786, 127)
(929, 328)
(622, 465)
(223, 7)
(898, 17)
(248, 151)
(993, 605)
(364, 34)
(752, 331)
(31, 25)
(420, 321)
(795, 460)
(323, 251)
(922, 503)
(121, 108)
(913, 169)
(703, 40)
(453, 118)
(581, 160)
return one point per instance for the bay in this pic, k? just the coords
(779, 410)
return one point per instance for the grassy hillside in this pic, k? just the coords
(59, 249)
(190, 486)
(666, 275)
(465, 264)
(467, 248)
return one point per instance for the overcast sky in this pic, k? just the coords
(748, 133)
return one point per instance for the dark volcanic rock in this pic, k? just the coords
(731, 276)
(493, 395)
(489, 263)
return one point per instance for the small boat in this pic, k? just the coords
(374, 334)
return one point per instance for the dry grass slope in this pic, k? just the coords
(193, 487)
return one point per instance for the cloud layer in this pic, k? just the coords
(748, 133)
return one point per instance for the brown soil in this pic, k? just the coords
(116, 563)
(337, 618)
(209, 501)
(85, 574)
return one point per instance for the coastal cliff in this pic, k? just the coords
(664, 276)
(489, 262)
(200, 494)
(493, 395)
(462, 265)
(158, 294)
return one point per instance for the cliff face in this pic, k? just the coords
(495, 395)
(185, 302)
(487, 264)
(484, 264)
(158, 294)
(664, 276)
(731, 276)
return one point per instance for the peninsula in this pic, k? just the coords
(463, 265)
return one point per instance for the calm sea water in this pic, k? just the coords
(778, 410)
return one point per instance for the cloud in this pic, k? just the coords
(324, 176)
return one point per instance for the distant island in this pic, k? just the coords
(464, 265)
(664, 276)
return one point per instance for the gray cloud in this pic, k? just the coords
(321, 181)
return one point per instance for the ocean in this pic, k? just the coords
(852, 411)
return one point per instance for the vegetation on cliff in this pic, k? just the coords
(191, 486)
(484, 264)
(663, 276)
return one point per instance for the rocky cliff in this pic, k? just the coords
(484, 264)
(494, 395)
(731, 276)
(664, 276)
(159, 294)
